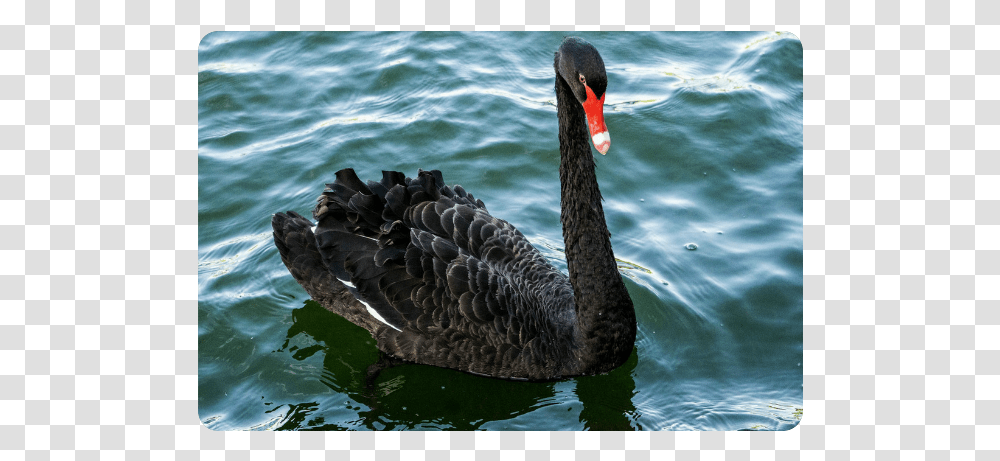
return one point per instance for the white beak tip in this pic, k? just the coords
(602, 142)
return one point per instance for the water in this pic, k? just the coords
(703, 197)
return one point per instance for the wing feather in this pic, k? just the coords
(436, 266)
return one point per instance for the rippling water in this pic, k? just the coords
(707, 150)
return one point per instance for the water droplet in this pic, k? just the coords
(719, 232)
(642, 200)
(691, 246)
(705, 173)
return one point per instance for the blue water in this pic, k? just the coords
(706, 149)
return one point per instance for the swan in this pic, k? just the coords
(439, 281)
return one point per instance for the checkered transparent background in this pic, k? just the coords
(98, 238)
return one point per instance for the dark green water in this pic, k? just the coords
(706, 148)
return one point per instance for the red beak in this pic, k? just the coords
(595, 121)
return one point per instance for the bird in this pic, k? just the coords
(437, 280)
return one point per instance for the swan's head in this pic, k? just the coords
(581, 67)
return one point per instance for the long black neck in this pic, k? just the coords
(605, 316)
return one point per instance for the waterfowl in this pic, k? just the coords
(437, 280)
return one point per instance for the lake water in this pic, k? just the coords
(706, 149)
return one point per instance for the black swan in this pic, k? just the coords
(439, 281)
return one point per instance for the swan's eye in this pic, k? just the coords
(583, 79)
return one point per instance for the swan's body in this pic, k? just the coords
(437, 280)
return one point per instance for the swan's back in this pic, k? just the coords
(437, 279)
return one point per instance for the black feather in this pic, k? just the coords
(458, 279)
(349, 180)
(445, 250)
(397, 200)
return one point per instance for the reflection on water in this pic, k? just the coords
(607, 399)
(407, 396)
(419, 397)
